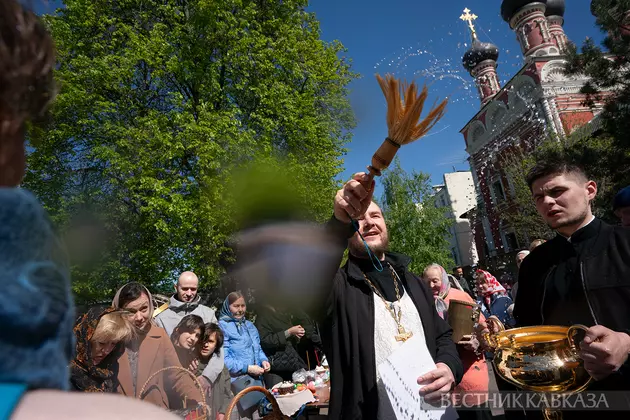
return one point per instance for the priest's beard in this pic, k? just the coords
(357, 247)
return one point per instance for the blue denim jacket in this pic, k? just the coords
(498, 307)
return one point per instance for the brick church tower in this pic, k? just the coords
(539, 100)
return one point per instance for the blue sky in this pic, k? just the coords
(386, 37)
(422, 40)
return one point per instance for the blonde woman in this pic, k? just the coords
(100, 336)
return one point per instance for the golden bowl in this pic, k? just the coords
(540, 359)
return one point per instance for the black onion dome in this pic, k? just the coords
(555, 8)
(479, 52)
(510, 7)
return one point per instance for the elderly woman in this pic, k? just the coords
(474, 384)
(100, 340)
(493, 298)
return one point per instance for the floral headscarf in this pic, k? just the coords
(84, 376)
(494, 287)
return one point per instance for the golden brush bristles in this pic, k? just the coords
(404, 108)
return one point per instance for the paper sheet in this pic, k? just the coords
(400, 373)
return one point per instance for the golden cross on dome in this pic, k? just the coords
(470, 18)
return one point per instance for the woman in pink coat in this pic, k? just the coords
(473, 389)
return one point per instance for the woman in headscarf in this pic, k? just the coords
(100, 336)
(473, 389)
(243, 353)
(493, 298)
(150, 351)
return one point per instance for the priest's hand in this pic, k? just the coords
(437, 384)
(353, 200)
(604, 351)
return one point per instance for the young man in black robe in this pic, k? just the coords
(582, 276)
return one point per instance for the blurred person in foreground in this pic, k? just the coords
(370, 313)
(582, 276)
(36, 317)
(621, 206)
(476, 378)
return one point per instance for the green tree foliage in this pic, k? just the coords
(416, 227)
(523, 216)
(161, 104)
(609, 72)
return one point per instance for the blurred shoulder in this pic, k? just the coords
(19, 201)
(73, 405)
(22, 217)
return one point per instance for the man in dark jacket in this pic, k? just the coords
(288, 338)
(371, 312)
(582, 276)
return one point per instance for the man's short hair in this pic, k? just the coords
(27, 60)
(555, 166)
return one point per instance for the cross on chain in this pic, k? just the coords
(470, 18)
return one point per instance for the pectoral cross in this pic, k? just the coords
(402, 334)
(467, 17)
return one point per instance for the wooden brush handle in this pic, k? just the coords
(383, 157)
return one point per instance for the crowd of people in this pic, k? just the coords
(131, 359)
(137, 350)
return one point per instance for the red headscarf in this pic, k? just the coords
(493, 287)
